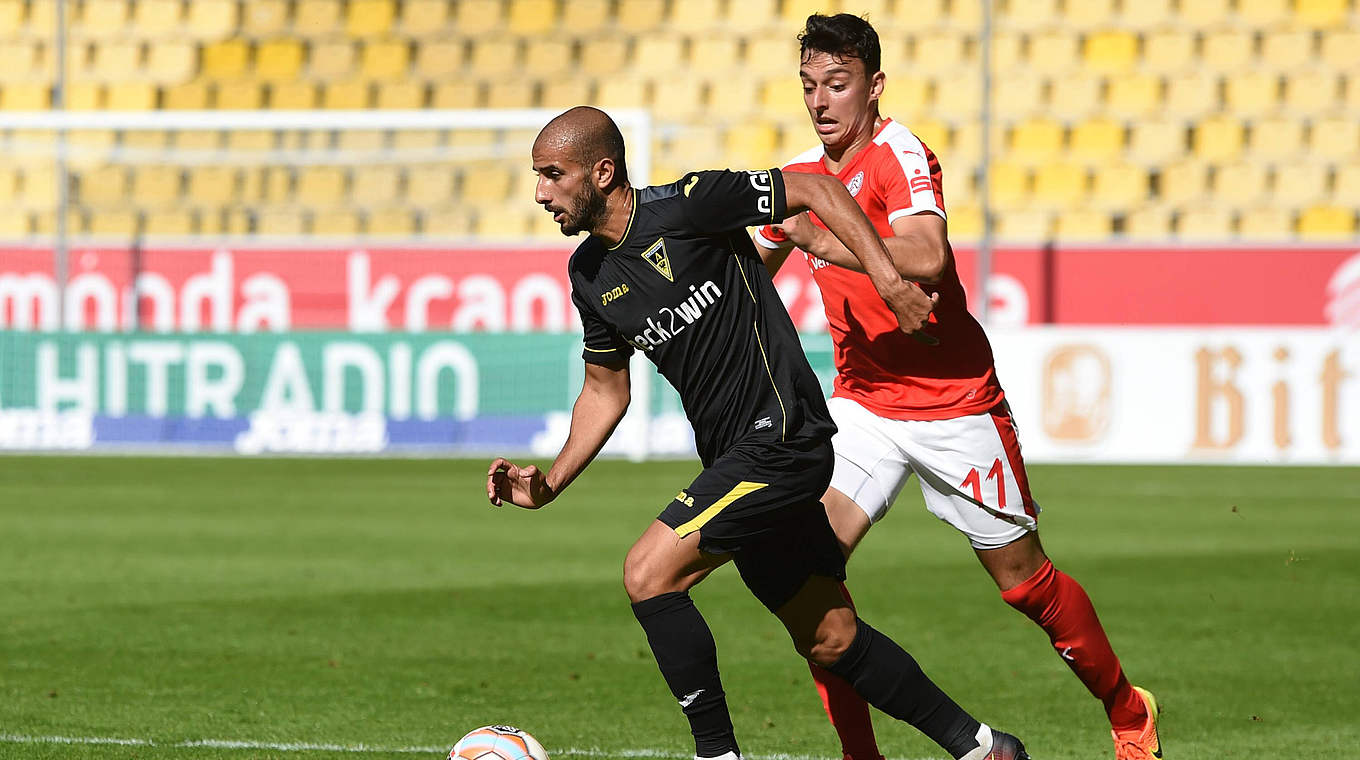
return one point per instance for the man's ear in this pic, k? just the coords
(876, 85)
(602, 174)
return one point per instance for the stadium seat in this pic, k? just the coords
(211, 19)
(751, 145)
(1335, 139)
(781, 98)
(587, 17)
(694, 16)
(1148, 223)
(121, 224)
(961, 15)
(1097, 141)
(348, 94)
(1192, 94)
(1346, 188)
(1119, 186)
(102, 186)
(292, 96)
(486, 183)
(529, 18)
(340, 222)
(449, 222)
(1083, 226)
(1252, 93)
(1204, 223)
(39, 188)
(493, 57)
(131, 96)
(1228, 50)
(1027, 15)
(1008, 184)
(1017, 95)
(568, 92)
(390, 222)
(895, 56)
(1024, 226)
(1168, 51)
(934, 133)
(1241, 183)
(938, 52)
(1183, 182)
(1138, 94)
(404, 93)
(21, 57)
(1263, 13)
(370, 18)
(171, 61)
(1145, 14)
(503, 223)
(15, 224)
(1203, 14)
(1088, 14)
(771, 55)
(633, 16)
(518, 93)
(1275, 138)
(264, 18)
(602, 56)
(1036, 141)
(1311, 92)
(191, 96)
(429, 184)
(1111, 51)
(169, 223)
(1298, 184)
(1322, 14)
(330, 59)
(424, 18)
(439, 60)
(321, 187)
(958, 96)
(281, 222)
(1054, 52)
(456, 94)
(387, 58)
(11, 18)
(542, 54)
(251, 141)
(9, 184)
(278, 60)
(226, 59)
(245, 94)
(319, 18)
(1327, 223)
(797, 11)
(657, 53)
(102, 18)
(1265, 223)
(84, 96)
(713, 56)
(1059, 185)
(965, 144)
(1287, 49)
(736, 97)
(1341, 49)
(1007, 52)
(903, 97)
(692, 146)
(1075, 96)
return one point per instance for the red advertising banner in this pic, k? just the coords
(485, 288)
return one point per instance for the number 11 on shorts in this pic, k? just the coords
(975, 481)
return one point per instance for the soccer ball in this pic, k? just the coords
(498, 743)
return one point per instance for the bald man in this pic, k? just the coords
(671, 271)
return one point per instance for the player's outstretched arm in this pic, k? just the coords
(603, 400)
(917, 245)
(828, 198)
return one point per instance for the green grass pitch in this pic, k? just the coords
(386, 604)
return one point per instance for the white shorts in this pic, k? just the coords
(971, 472)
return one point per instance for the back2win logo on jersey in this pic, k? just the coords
(670, 321)
(656, 256)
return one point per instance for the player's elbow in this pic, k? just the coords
(935, 263)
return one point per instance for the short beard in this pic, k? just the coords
(586, 212)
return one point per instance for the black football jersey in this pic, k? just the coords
(686, 286)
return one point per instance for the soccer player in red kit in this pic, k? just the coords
(903, 407)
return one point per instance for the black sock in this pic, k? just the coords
(888, 678)
(688, 658)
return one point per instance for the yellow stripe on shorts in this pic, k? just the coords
(738, 491)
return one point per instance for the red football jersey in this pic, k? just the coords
(879, 366)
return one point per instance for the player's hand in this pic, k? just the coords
(522, 486)
(800, 230)
(912, 308)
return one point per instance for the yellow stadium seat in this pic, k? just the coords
(21, 58)
(348, 94)
(713, 55)
(1298, 184)
(1275, 138)
(1137, 94)
(156, 19)
(360, 140)
(677, 100)
(903, 98)
(1252, 93)
(514, 93)
(493, 57)
(1017, 95)
(102, 18)
(245, 94)
(587, 17)
(102, 186)
(390, 222)
(113, 223)
(424, 18)
(1083, 226)
(131, 96)
(1183, 182)
(386, 59)
(938, 52)
(1287, 49)
(318, 18)
(1036, 141)
(1148, 223)
(1054, 52)
(965, 222)
(753, 143)
(84, 96)
(657, 54)
(11, 18)
(781, 99)
(1322, 14)
(211, 19)
(191, 96)
(1024, 226)
(694, 16)
(478, 18)
(171, 61)
(39, 188)
(964, 15)
(330, 59)
(1341, 49)
(1346, 190)
(1088, 14)
(1111, 52)
(532, 17)
(503, 223)
(486, 183)
(1228, 50)
(958, 96)
(278, 60)
(448, 222)
(893, 53)
(1168, 51)
(429, 185)
(1217, 138)
(197, 139)
(1028, 15)
(168, 223)
(281, 223)
(439, 59)
(639, 15)
(1327, 223)
(565, 93)
(297, 95)
(772, 55)
(1145, 14)
(1240, 183)
(797, 11)
(251, 141)
(1311, 92)
(1192, 94)
(1265, 223)
(417, 138)
(369, 18)
(405, 93)
(226, 59)
(1007, 52)
(1263, 13)
(336, 223)
(1059, 185)
(693, 146)
(372, 186)
(1335, 139)
(1097, 141)
(1008, 184)
(1119, 186)
(9, 184)
(965, 144)
(933, 132)
(1204, 223)
(459, 94)
(542, 54)
(44, 16)
(622, 92)
(264, 18)
(1203, 14)
(157, 186)
(605, 55)
(15, 224)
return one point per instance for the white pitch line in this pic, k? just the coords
(660, 754)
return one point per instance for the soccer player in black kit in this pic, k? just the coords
(670, 270)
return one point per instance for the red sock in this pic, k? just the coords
(1061, 607)
(849, 713)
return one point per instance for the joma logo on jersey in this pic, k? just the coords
(670, 321)
(619, 291)
(760, 180)
(685, 499)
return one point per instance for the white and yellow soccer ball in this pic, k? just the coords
(498, 743)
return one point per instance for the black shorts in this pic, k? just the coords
(762, 504)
